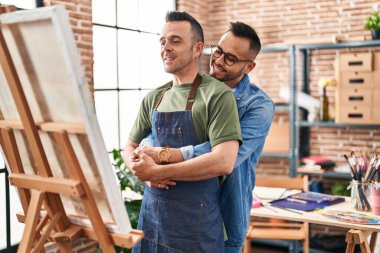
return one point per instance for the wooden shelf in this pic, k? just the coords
(327, 174)
(333, 124)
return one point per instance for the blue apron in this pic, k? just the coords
(187, 217)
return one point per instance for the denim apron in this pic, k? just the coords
(187, 217)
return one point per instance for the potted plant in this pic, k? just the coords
(131, 187)
(373, 24)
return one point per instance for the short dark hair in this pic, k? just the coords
(172, 16)
(239, 29)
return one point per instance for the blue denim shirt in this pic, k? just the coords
(256, 111)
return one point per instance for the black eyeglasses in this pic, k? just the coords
(229, 59)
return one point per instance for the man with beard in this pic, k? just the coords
(189, 110)
(231, 60)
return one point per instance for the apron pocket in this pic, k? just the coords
(170, 137)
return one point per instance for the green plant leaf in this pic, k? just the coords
(373, 21)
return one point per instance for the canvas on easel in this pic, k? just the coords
(49, 128)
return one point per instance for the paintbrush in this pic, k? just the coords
(353, 174)
(374, 170)
(373, 164)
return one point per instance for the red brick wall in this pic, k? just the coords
(80, 13)
(277, 21)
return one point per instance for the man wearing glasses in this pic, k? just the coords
(231, 60)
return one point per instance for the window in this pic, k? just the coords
(24, 4)
(127, 61)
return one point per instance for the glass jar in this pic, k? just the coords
(360, 193)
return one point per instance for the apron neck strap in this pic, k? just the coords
(190, 99)
(161, 96)
(193, 92)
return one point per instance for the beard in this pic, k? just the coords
(222, 74)
(176, 62)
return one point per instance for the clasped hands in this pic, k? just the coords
(144, 164)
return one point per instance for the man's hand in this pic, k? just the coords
(153, 153)
(144, 167)
(129, 155)
(161, 184)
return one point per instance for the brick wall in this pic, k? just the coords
(80, 12)
(277, 21)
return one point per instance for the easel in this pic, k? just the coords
(40, 190)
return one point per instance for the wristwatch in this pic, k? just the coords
(164, 155)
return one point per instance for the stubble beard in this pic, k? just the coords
(226, 76)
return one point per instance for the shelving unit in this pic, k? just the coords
(330, 174)
(291, 108)
(303, 127)
(333, 124)
(300, 129)
(286, 107)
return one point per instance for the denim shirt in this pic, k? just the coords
(256, 111)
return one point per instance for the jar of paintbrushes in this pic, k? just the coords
(360, 195)
(365, 173)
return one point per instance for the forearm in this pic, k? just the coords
(190, 151)
(220, 161)
(175, 154)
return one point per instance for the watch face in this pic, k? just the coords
(164, 155)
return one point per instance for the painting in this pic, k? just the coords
(43, 50)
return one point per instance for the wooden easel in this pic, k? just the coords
(37, 191)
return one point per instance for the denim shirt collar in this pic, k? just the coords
(241, 87)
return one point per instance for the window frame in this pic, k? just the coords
(119, 89)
